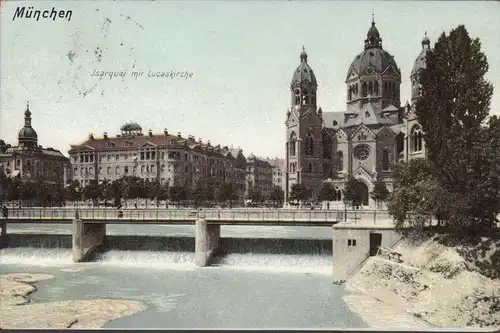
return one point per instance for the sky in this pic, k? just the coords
(242, 55)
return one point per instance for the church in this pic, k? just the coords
(365, 141)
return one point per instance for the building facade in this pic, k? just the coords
(30, 162)
(366, 140)
(259, 174)
(167, 158)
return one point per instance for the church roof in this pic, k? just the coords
(368, 115)
(330, 117)
(420, 62)
(304, 72)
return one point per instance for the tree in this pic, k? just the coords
(255, 194)
(453, 108)
(327, 192)
(299, 193)
(380, 192)
(277, 195)
(198, 194)
(176, 194)
(92, 191)
(350, 191)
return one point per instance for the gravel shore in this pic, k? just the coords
(17, 311)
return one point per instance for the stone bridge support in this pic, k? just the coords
(86, 238)
(3, 233)
(353, 245)
(206, 242)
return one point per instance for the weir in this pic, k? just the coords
(87, 237)
(207, 242)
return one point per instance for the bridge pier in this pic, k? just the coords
(206, 242)
(86, 238)
(3, 234)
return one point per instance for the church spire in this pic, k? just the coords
(373, 39)
(303, 55)
(27, 115)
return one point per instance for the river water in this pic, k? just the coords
(265, 277)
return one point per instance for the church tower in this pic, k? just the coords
(27, 137)
(373, 76)
(304, 122)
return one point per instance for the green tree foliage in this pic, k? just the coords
(452, 111)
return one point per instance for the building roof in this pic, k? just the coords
(368, 115)
(303, 73)
(420, 62)
(330, 117)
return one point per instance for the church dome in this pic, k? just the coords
(420, 62)
(27, 133)
(373, 58)
(303, 73)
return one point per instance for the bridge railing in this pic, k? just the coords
(239, 214)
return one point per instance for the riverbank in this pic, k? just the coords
(17, 311)
(437, 281)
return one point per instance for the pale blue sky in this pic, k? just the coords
(242, 56)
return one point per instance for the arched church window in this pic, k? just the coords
(310, 167)
(363, 89)
(309, 144)
(340, 161)
(313, 98)
(297, 97)
(370, 88)
(385, 160)
(375, 88)
(292, 143)
(349, 94)
(416, 139)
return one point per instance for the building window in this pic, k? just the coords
(309, 144)
(351, 242)
(310, 167)
(117, 157)
(385, 160)
(362, 152)
(125, 169)
(416, 138)
(340, 161)
(293, 143)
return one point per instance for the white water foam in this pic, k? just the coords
(149, 259)
(36, 256)
(279, 263)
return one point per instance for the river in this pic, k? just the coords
(265, 277)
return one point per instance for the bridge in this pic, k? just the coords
(89, 227)
(284, 217)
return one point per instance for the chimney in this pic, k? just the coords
(165, 131)
(179, 134)
(105, 135)
(150, 133)
(91, 136)
(199, 140)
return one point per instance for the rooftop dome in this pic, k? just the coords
(27, 133)
(373, 58)
(303, 73)
(420, 62)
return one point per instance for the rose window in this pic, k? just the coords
(362, 153)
